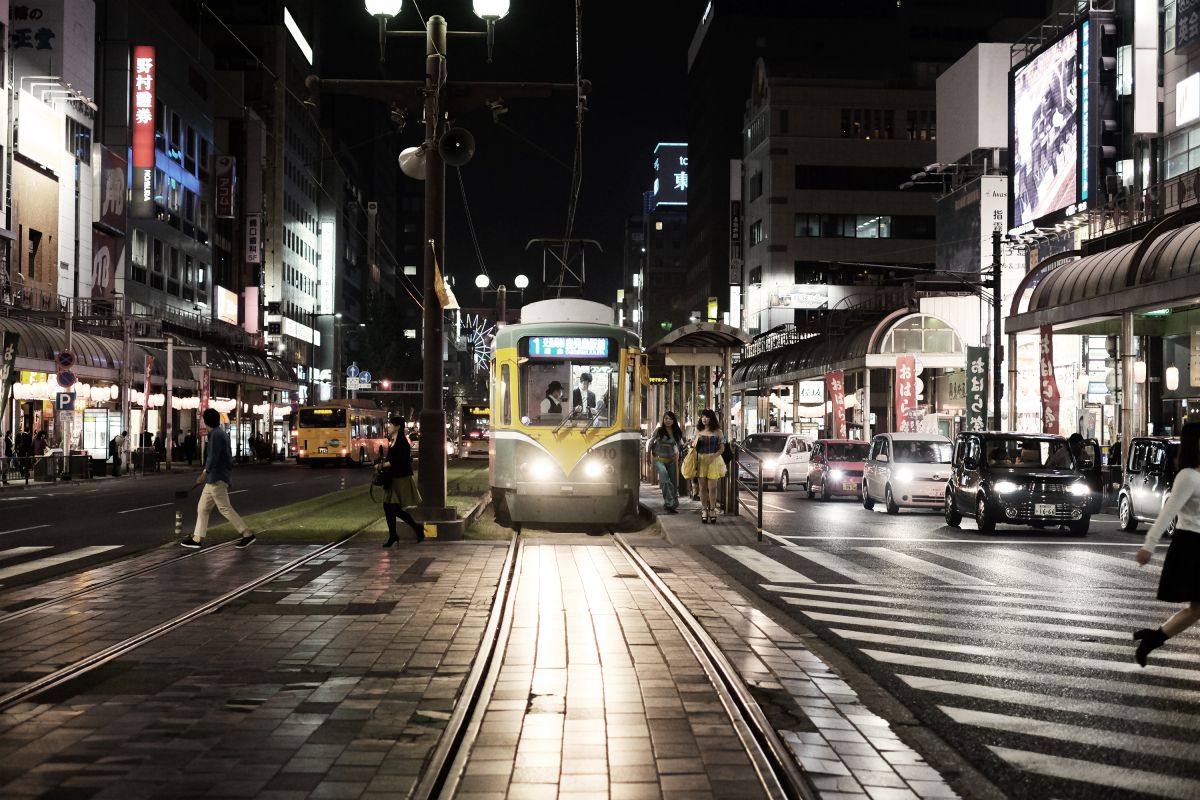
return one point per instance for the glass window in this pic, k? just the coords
(140, 248)
(1017, 453)
(840, 451)
(579, 392)
(630, 386)
(505, 395)
(765, 443)
(876, 447)
(910, 451)
(885, 449)
(322, 418)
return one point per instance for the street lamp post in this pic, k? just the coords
(484, 282)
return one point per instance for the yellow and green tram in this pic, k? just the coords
(566, 416)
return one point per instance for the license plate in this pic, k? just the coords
(849, 486)
(1043, 509)
(322, 449)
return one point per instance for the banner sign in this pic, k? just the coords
(1049, 384)
(225, 183)
(109, 173)
(8, 375)
(1187, 23)
(835, 387)
(906, 391)
(253, 250)
(977, 388)
(1194, 358)
(205, 387)
(142, 92)
(106, 256)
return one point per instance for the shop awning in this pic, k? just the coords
(1161, 271)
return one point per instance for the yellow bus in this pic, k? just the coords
(340, 432)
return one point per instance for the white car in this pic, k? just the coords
(784, 457)
(907, 470)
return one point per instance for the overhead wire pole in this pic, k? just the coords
(997, 321)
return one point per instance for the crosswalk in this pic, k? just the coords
(16, 561)
(1020, 657)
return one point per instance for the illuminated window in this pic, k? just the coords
(658, 225)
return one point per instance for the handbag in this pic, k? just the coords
(382, 476)
(688, 468)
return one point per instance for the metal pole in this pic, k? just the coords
(1127, 384)
(866, 410)
(502, 297)
(169, 425)
(1012, 382)
(997, 323)
(432, 461)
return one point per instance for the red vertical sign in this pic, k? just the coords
(142, 92)
(146, 399)
(1049, 384)
(835, 390)
(906, 391)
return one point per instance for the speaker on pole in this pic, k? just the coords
(457, 145)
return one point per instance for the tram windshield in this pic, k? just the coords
(581, 393)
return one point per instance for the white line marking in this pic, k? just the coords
(13, 552)
(989, 562)
(1133, 545)
(50, 561)
(1135, 743)
(30, 528)
(1073, 769)
(1122, 711)
(943, 574)
(239, 491)
(838, 564)
(143, 508)
(764, 565)
(1091, 575)
(778, 508)
(285, 483)
(16, 499)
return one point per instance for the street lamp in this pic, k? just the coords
(484, 281)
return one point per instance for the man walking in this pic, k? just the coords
(115, 448)
(216, 477)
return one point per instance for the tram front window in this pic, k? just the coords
(582, 394)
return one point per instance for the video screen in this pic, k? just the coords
(1045, 160)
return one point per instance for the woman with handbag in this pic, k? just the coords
(710, 467)
(400, 486)
(1180, 581)
(664, 447)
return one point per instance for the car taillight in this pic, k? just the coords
(301, 452)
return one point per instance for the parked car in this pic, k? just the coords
(1148, 473)
(785, 457)
(1021, 479)
(907, 470)
(835, 467)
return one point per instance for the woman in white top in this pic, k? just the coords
(1180, 581)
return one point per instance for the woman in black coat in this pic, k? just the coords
(400, 486)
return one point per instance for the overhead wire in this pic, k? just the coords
(577, 165)
(462, 186)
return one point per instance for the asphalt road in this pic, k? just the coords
(51, 529)
(1015, 647)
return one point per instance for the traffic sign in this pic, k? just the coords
(352, 384)
(66, 379)
(64, 401)
(352, 370)
(364, 377)
(65, 360)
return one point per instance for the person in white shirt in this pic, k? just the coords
(1180, 581)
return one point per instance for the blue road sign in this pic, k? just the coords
(364, 377)
(352, 370)
(66, 379)
(64, 401)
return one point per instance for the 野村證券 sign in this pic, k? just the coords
(568, 347)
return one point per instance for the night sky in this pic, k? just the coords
(517, 189)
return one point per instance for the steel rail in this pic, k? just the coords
(448, 760)
(777, 770)
(89, 663)
(104, 584)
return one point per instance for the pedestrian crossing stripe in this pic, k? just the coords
(55, 560)
(14, 552)
(1133, 780)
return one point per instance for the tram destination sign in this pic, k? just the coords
(568, 347)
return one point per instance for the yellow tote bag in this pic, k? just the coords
(688, 468)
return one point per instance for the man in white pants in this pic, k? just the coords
(216, 477)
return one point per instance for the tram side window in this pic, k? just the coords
(629, 395)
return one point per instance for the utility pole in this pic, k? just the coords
(997, 320)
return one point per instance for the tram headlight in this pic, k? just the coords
(541, 469)
(593, 469)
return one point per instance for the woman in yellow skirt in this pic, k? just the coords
(401, 487)
(710, 467)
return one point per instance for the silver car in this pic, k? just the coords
(784, 457)
(907, 470)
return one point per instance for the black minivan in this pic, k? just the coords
(1022, 479)
(1148, 473)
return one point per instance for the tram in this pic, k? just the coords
(566, 416)
(350, 432)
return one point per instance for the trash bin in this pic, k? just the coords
(99, 467)
(145, 459)
(80, 466)
(46, 468)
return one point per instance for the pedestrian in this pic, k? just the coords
(160, 447)
(189, 447)
(1180, 580)
(217, 477)
(24, 447)
(115, 447)
(39, 444)
(664, 446)
(710, 467)
(400, 487)
(6, 462)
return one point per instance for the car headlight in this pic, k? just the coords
(904, 475)
(1080, 489)
(1004, 487)
(771, 463)
(836, 474)
(541, 469)
(593, 469)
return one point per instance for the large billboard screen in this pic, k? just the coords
(1045, 132)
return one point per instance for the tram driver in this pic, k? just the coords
(552, 403)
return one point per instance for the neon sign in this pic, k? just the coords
(568, 347)
(142, 91)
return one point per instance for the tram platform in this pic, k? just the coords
(340, 678)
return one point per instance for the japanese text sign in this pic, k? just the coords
(142, 93)
(906, 391)
(1049, 386)
(977, 388)
(835, 388)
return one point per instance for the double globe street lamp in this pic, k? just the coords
(484, 282)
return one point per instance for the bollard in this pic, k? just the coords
(343, 482)
(178, 524)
